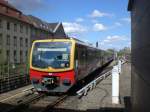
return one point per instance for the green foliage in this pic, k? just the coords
(110, 51)
(125, 52)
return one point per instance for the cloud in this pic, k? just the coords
(73, 27)
(29, 5)
(96, 13)
(79, 20)
(113, 39)
(118, 24)
(99, 27)
(115, 25)
(127, 19)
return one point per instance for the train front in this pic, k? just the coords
(51, 65)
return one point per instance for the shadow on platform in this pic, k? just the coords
(5, 107)
(89, 110)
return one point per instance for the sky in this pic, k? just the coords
(104, 21)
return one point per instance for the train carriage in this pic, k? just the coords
(57, 64)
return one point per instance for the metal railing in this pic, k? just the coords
(13, 76)
(92, 84)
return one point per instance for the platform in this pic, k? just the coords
(99, 99)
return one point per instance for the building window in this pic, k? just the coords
(26, 55)
(1, 24)
(26, 42)
(8, 40)
(21, 56)
(8, 25)
(21, 28)
(15, 41)
(26, 29)
(15, 56)
(21, 41)
(15, 27)
(1, 39)
(8, 55)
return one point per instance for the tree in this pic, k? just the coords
(125, 52)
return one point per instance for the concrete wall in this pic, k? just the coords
(140, 26)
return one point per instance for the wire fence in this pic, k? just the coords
(13, 76)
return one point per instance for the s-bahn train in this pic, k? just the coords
(57, 64)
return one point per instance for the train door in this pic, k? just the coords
(76, 63)
(81, 61)
(84, 61)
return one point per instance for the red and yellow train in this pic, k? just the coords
(57, 64)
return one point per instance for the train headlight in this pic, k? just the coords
(67, 82)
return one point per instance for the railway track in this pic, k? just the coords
(39, 103)
(42, 105)
(52, 104)
(22, 103)
(35, 102)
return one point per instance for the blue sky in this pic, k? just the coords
(105, 21)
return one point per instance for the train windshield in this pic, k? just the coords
(51, 54)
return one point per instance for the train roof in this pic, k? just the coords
(69, 39)
(84, 43)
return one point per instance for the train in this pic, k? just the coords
(58, 64)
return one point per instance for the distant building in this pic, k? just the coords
(15, 33)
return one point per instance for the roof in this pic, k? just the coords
(38, 23)
(7, 4)
(54, 26)
(7, 9)
(12, 12)
(130, 5)
(83, 43)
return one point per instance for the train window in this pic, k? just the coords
(51, 54)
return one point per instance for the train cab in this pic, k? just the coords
(51, 65)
